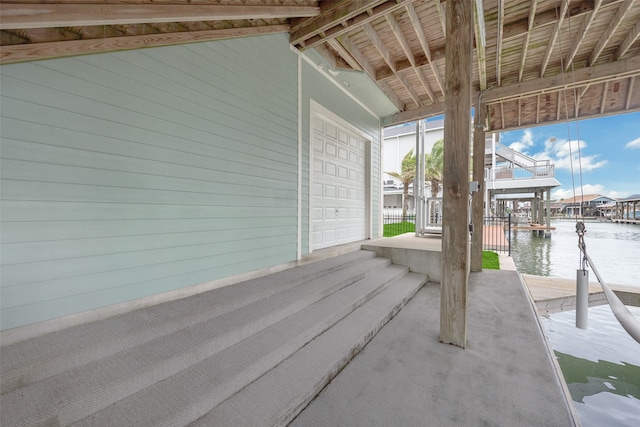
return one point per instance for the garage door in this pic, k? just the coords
(338, 184)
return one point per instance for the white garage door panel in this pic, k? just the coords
(338, 190)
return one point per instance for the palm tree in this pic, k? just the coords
(434, 165)
(406, 177)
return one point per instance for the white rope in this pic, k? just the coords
(622, 313)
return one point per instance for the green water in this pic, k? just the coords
(601, 364)
(614, 248)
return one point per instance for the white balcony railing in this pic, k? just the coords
(545, 170)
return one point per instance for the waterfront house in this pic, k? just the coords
(585, 205)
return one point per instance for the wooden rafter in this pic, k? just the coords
(499, 42)
(355, 53)
(547, 17)
(613, 26)
(582, 33)
(402, 40)
(316, 30)
(330, 17)
(336, 61)
(441, 16)
(392, 96)
(525, 42)
(417, 26)
(632, 80)
(603, 101)
(554, 36)
(386, 55)
(343, 54)
(16, 16)
(36, 51)
(327, 8)
(583, 76)
(481, 42)
(629, 40)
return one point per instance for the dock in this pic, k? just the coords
(533, 227)
(626, 221)
(552, 295)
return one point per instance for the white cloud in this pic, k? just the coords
(525, 142)
(633, 144)
(562, 193)
(569, 154)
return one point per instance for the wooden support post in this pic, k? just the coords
(477, 201)
(455, 213)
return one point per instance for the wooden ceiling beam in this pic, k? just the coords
(499, 42)
(317, 29)
(423, 112)
(327, 7)
(549, 16)
(613, 26)
(330, 17)
(15, 16)
(402, 40)
(629, 92)
(629, 40)
(355, 53)
(481, 42)
(403, 64)
(582, 33)
(37, 51)
(554, 37)
(525, 43)
(441, 16)
(583, 76)
(386, 55)
(341, 60)
(344, 54)
(417, 27)
(603, 100)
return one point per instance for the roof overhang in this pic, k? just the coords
(535, 61)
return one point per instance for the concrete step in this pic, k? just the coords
(72, 395)
(277, 397)
(33, 360)
(191, 394)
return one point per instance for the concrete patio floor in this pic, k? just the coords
(406, 377)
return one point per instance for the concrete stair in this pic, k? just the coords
(254, 353)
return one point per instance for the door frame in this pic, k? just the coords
(316, 109)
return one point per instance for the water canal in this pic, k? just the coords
(601, 365)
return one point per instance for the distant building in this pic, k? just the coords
(586, 205)
(628, 208)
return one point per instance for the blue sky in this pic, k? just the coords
(608, 149)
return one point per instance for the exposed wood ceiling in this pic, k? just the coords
(536, 61)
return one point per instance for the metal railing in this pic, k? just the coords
(496, 231)
(496, 234)
(395, 223)
(535, 172)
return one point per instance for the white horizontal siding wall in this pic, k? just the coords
(134, 173)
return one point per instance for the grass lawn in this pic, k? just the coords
(394, 229)
(490, 260)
